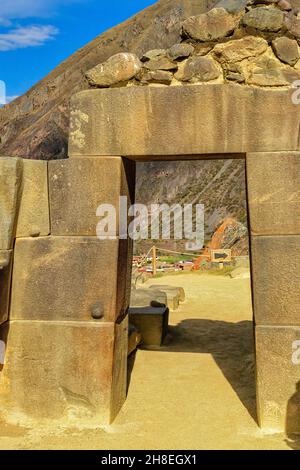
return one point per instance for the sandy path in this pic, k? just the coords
(197, 392)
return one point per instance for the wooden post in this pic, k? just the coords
(154, 261)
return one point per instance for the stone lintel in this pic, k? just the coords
(182, 120)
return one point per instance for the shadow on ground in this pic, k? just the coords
(230, 344)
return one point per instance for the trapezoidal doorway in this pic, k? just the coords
(110, 130)
(209, 121)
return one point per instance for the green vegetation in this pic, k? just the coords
(175, 259)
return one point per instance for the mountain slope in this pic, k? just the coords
(36, 124)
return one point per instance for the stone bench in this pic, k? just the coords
(165, 288)
(151, 322)
(146, 297)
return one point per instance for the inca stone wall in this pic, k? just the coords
(141, 120)
(274, 204)
(66, 338)
(67, 335)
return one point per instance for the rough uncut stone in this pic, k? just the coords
(235, 51)
(153, 54)
(293, 25)
(278, 378)
(276, 279)
(264, 19)
(33, 217)
(286, 49)
(179, 51)
(118, 68)
(274, 202)
(10, 192)
(235, 77)
(151, 322)
(58, 370)
(157, 76)
(284, 5)
(202, 48)
(5, 285)
(215, 24)
(268, 71)
(78, 187)
(203, 69)
(235, 67)
(65, 278)
(137, 121)
(160, 63)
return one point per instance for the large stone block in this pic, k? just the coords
(33, 217)
(70, 278)
(278, 378)
(78, 186)
(57, 370)
(10, 189)
(173, 122)
(5, 285)
(273, 181)
(276, 279)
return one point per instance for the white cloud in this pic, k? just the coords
(11, 98)
(12, 12)
(8, 100)
(27, 36)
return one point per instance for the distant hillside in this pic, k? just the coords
(218, 184)
(36, 124)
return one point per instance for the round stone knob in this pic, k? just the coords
(97, 311)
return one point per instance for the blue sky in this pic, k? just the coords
(36, 35)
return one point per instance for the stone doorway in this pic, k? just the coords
(56, 298)
(209, 344)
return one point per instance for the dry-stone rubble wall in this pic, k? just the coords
(248, 43)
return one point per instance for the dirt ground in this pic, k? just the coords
(197, 392)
